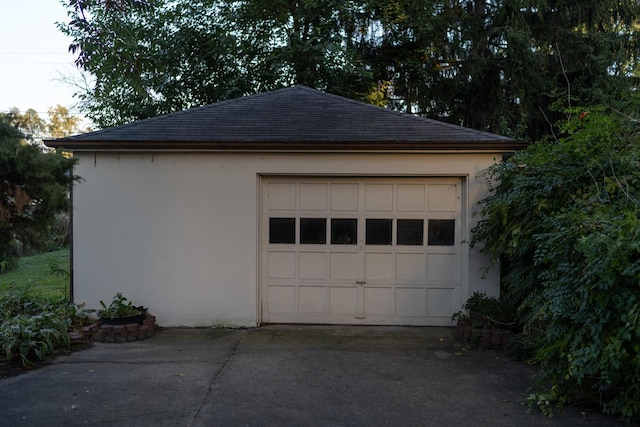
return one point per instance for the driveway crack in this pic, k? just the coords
(216, 375)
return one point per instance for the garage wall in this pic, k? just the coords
(177, 232)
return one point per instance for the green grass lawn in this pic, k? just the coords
(35, 272)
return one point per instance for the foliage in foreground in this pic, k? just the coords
(563, 221)
(32, 327)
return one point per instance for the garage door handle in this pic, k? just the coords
(361, 282)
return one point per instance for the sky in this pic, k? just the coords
(34, 57)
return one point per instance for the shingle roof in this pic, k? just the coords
(294, 118)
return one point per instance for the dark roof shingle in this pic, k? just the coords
(294, 118)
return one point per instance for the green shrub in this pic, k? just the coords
(564, 222)
(32, 327)
(32, 338)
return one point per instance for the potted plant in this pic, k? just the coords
(121, 311)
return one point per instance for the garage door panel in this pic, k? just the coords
(441, 267)
(440, 302)
(342, 299)
(411, 302)
(312, 299)
(410, 197)
(379, 301)
(282, 196)
(378, 266)
(443, 198)
(379, 197)
(313, 265)
(313, 197)
(360, 250)
(344, 265)
(344, 197)
(282, 265)
(281, 299)
(411, 267)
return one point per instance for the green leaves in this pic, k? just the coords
(493, 66)
(33, 328)
(34, 186)
(564, 220)
(119, 307)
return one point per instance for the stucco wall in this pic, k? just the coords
(177, 232)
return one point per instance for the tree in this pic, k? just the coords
(61, 123)
(495, 65)
(501, 65)
(29, 124)
(150, 57)
(34, 186)
(564, 221)
(283, 43)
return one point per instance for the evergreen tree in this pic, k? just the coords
(34, 186)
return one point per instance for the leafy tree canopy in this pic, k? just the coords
(34, 186)
(492, 65)
(33, 128)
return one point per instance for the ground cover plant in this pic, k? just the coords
(32, 327)
(563, 222)
(35, 312)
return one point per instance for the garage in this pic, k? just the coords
(290, 206)
(382, 251)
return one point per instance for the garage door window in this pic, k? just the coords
(313, 231)
(441, 232)
(379, 231)
(282, 230)
(344, 231)
(410, 232)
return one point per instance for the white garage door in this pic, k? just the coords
(360, 250)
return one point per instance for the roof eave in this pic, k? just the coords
(287, 146)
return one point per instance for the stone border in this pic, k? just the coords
(115, 333)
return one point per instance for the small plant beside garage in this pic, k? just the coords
(485, 322)
(122, 321)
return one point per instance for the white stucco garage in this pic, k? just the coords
(293, 206)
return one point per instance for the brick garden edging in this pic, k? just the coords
(483, 338)
(116, 333)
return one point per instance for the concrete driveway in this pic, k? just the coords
(278, 376)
